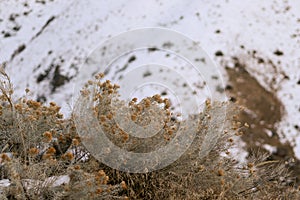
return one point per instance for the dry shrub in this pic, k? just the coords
(41, 154)
(38, 147)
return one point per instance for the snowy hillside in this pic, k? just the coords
(45, 42)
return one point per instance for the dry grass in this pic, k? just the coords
(38, 146)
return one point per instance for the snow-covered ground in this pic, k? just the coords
(44, 42)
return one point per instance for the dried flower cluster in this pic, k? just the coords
(42, 156)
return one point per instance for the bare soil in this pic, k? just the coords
(263, 110)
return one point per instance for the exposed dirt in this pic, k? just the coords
(262, 111)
